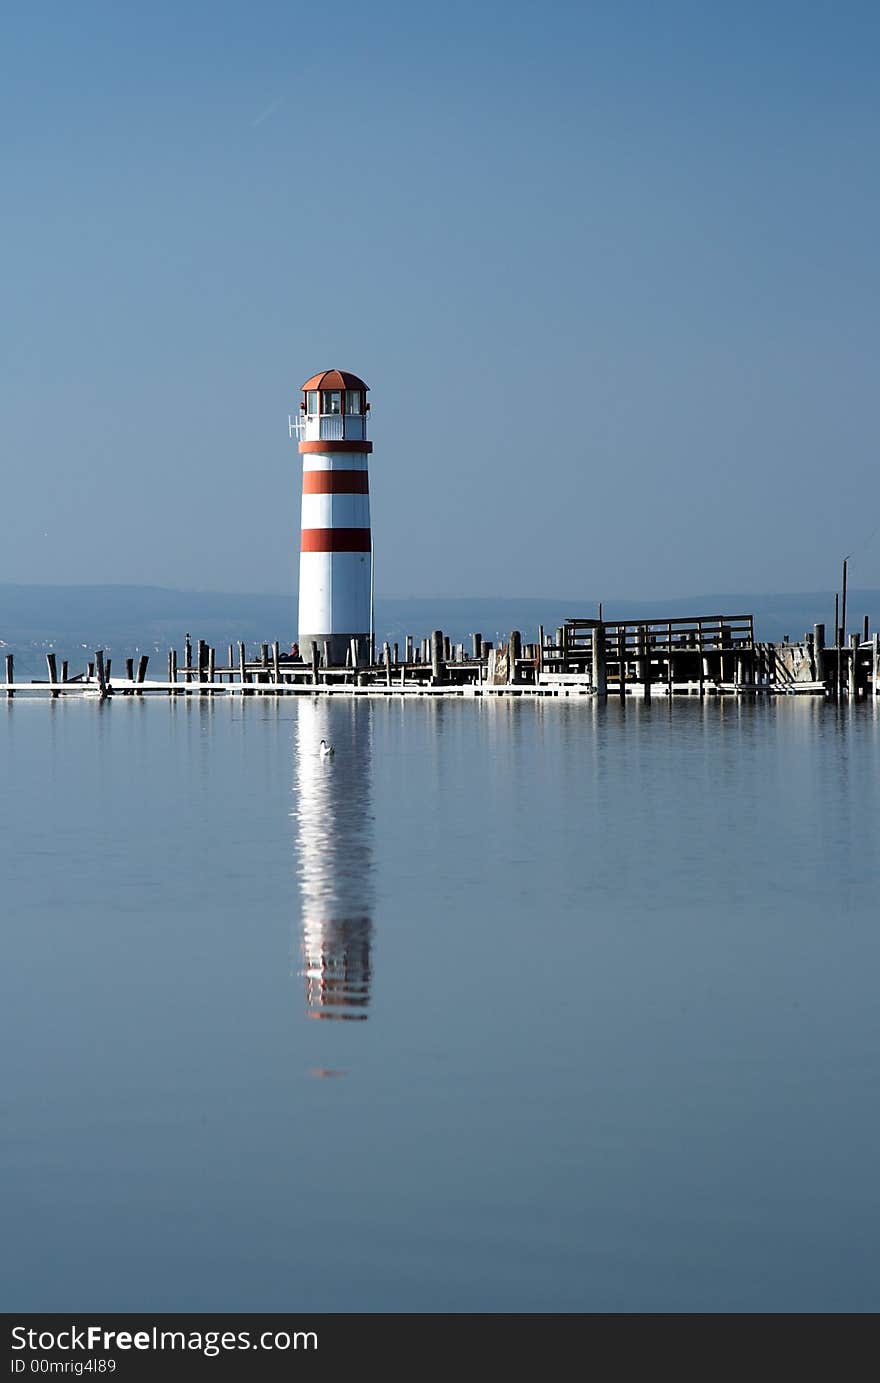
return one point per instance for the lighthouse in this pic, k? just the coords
(335, 564)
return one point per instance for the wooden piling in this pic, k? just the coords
(129, 673)
(819, 652)
(353, 650)
(53, 671)
(64, 668)
(315, 661)
(408, 648)
(187, 656)
(212, 663)
(90, 670)
(600, 679)
(621, 653)
(101, 672)
(10, 675)
(644, 661)
(852, 659)
(386, 654)
(875, 662)
(230, 661)
(200, 659)
(437, 649)
(396, 652)
(276, 662)
(173, 677)
(326, 652)
(514, 651)
(142, 669)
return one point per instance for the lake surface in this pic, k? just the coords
(509, 1006)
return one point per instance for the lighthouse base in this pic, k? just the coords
(338, 648)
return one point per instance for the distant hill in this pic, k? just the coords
(129, 619)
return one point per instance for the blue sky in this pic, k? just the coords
(610, 270)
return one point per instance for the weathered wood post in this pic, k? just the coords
(53, 671)
(621, 653)
(875, 663)
(477, 645)
(107, 663)
(600, 678)
(408, 648)
(230, 661)
(212, 662)
(447, 649)
(396, 651)
(539, 653)
(142, 670)
(90, 670)
(242, 668)
(169, 671)
(200, 660)
(819, 652)
(173, 656)
(129, 673)
(264, 659)
(437, 669)
(353, 650)
(64, 666)
(276, 662)
(187, 658)
(852, 659)
(514, 651)
(10, 675)
(315, 662)
(386, 655)
(101, 671)
(326, 651)
(644, 662)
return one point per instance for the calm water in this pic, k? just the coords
(514, 1006)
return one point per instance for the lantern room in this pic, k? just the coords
(334, 408)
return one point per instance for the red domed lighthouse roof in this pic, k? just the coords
(334, 379)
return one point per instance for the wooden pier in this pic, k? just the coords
(704, 656)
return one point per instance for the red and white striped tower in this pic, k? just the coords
(335, 565)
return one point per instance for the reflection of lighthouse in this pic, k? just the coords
(334, 857)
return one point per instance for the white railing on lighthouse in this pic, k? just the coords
(328, 427)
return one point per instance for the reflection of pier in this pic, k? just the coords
(334, 858)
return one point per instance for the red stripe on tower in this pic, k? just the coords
(335, 540)
(336, 483)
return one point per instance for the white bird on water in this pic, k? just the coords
(326, 749)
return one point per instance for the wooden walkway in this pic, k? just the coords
(706, 655)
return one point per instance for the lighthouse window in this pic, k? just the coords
(332, 400)
(352, 400)
(312, 401)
